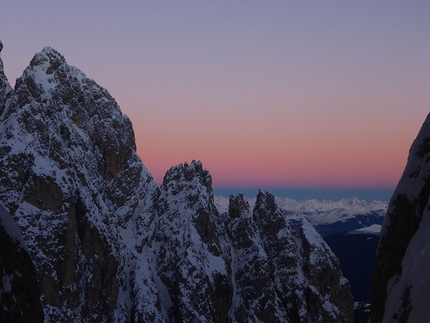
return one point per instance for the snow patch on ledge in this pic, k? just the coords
(373, 229)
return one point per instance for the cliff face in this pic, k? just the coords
(400, 284)
(19, 291)
(108, 245)
(5, 88)
(190, 247)
(251, 266)
(71, 179)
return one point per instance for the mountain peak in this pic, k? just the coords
(70, 175)
(48, 59)
(108, 244)
(266, 200)
(188, 173)
(238, 206)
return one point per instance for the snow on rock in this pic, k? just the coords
(400, 279)
(190, 246)
(108, 245)
(320, 212)
(328, 212)
(273, 267)
(285, 256)
(72, 180)
(329, 291)
(221, 203)
(374, 229)
(255, 297)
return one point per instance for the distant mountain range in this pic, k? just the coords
(328, 217)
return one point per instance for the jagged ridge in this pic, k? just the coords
(109, 245)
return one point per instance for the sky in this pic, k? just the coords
(281, 94)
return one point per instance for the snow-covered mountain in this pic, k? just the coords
(109, 245)
(350, 227)
(401, 280)
(72, 181)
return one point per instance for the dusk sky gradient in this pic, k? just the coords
(265, 93)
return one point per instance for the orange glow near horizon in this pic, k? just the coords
(342, 158)
(265, 94)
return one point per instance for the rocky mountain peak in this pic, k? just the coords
(279, 271)
(192, 254)
(110, 246)
(48, 60)
(266, 208)
(187, 175)
(266, 200)
(238, 206)
(72, 181)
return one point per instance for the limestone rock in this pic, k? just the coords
(5, 88)
(192, 255)
(72, 181)
(400, 282)
(255, 298)
(280, 276)
(108, 245)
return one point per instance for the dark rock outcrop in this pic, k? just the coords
(400, 281)
(5, 88)
(19, 290)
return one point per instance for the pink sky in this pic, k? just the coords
(286, 94)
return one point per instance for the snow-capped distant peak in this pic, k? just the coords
(319, 212)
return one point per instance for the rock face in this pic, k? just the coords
(72, 180)
(19, 292)
(251, 266)
(401, 284)
(108, 245)
(5, 88)
(191, 248)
